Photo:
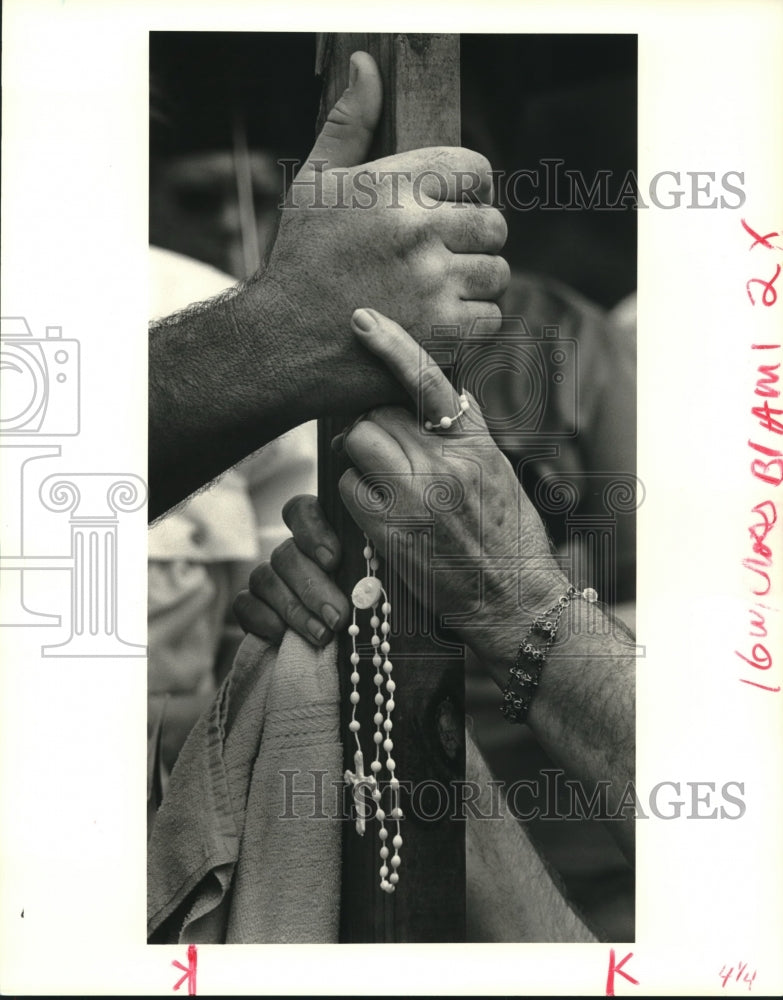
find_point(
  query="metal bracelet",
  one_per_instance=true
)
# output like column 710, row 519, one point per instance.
column 525, row 674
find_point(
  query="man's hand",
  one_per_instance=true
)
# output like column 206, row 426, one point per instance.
column 419, row 244
column 414, row 235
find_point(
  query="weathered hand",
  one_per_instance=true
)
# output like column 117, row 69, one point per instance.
column 414, row 235
column 465, row 486
column 294, row 590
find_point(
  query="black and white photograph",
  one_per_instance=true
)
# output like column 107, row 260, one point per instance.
column 390, row 455
column 457, row 258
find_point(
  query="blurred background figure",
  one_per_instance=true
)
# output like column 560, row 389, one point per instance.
column 219, row 206
column 216, row 139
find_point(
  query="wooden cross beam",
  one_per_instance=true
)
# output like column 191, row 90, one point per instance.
column 421, row 108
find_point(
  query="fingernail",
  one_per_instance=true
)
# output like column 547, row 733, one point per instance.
column 330, row 615
column 353, row 71
column 337, row 441
column 363, row 321
column 316, row 629
column 324, row 557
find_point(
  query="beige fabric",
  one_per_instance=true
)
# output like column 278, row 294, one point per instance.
column 229, row 858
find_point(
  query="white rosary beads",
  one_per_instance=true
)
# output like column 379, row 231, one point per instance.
column 367, row 595
column 446, row 422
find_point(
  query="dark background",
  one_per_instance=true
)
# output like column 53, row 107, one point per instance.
column 524, row 98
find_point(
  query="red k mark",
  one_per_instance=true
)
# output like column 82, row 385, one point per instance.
column 617, row 967
column 189, row 970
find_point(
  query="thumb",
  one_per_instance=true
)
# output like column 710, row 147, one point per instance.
column 347, row 133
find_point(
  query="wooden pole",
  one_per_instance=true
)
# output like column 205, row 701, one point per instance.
column 421, row 108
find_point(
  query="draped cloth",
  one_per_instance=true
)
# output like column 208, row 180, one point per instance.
column 233, row 856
